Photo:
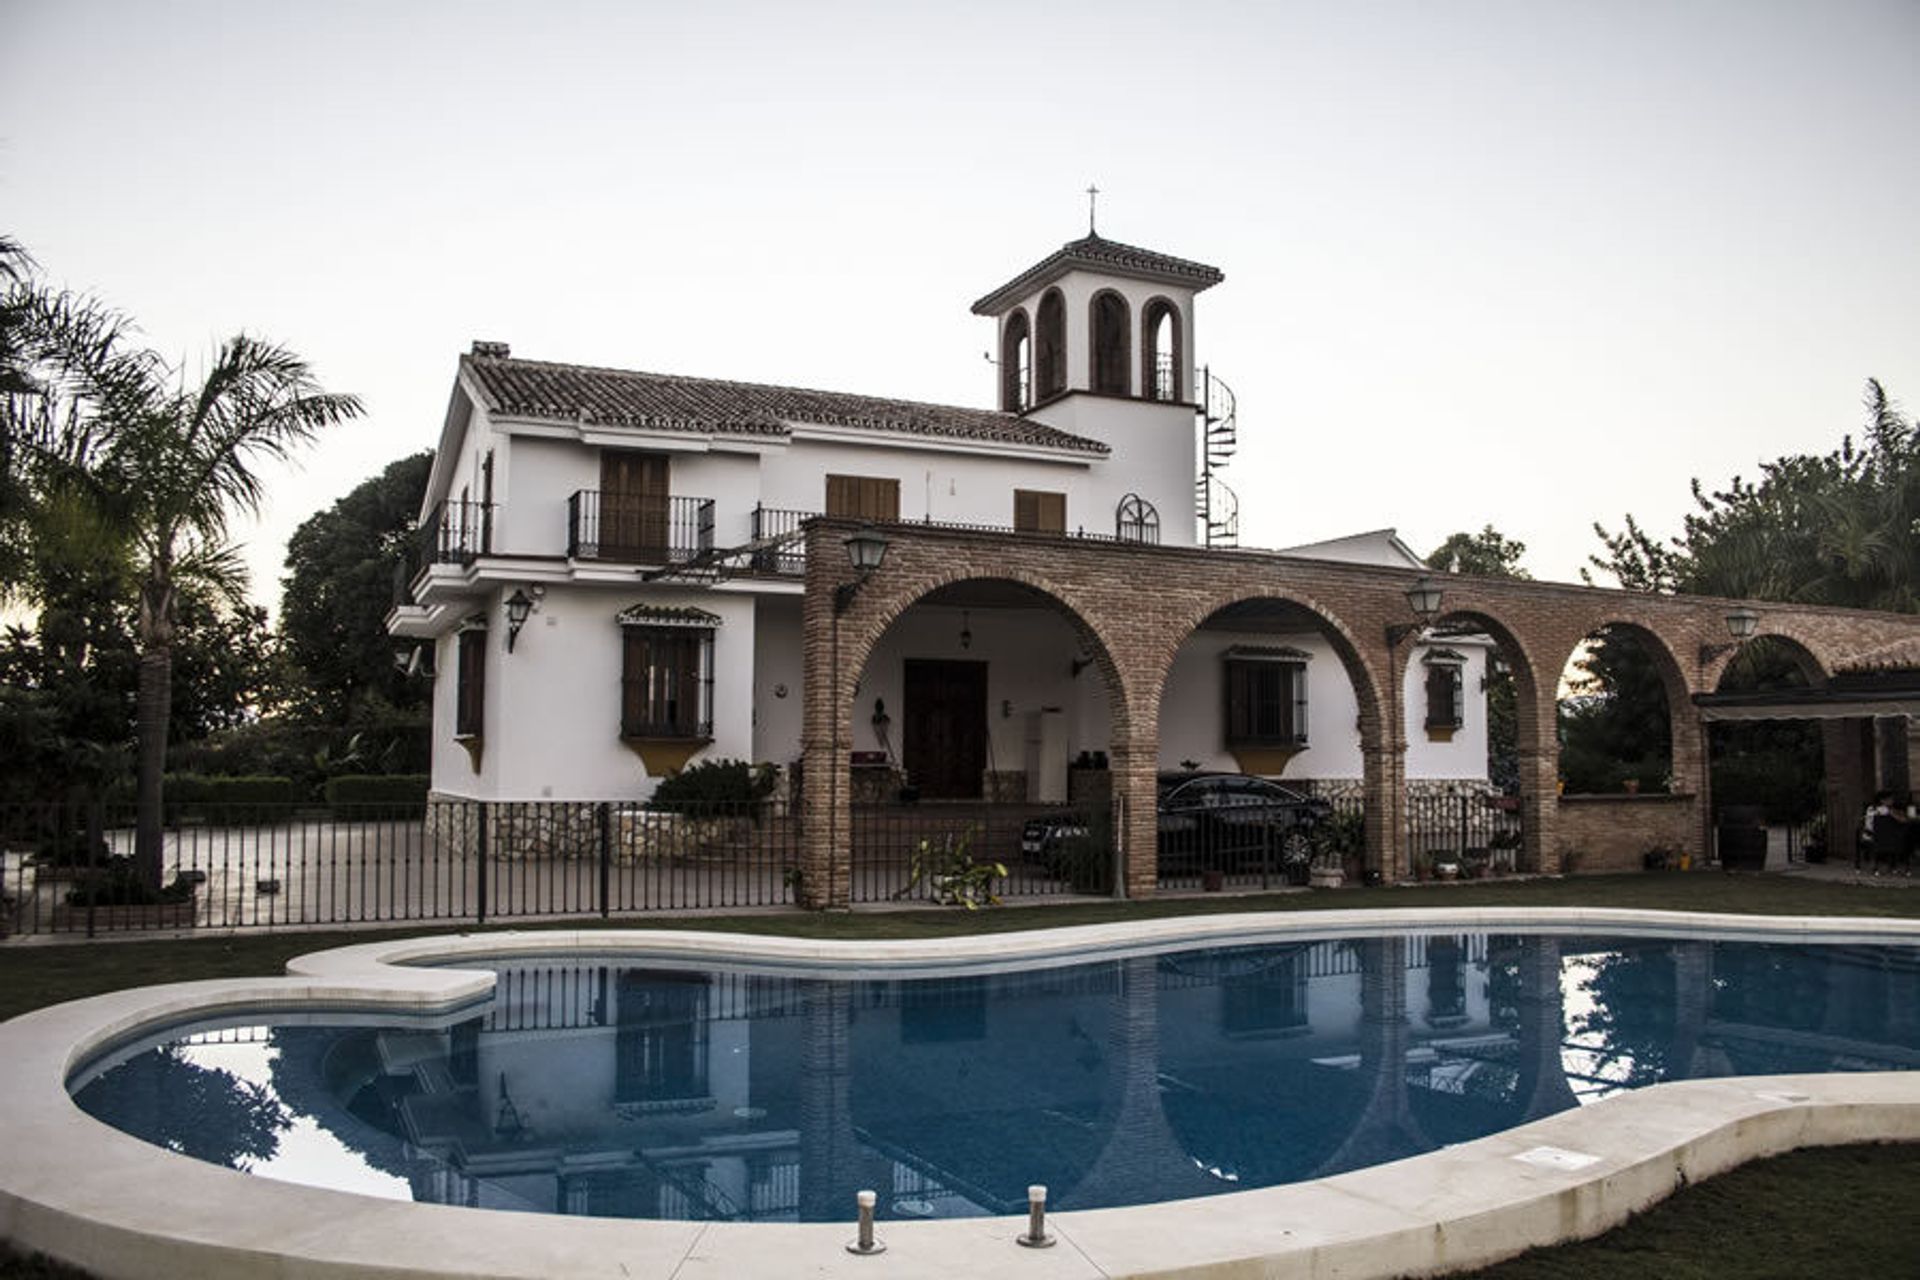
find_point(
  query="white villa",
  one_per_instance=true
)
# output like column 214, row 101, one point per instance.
column 615, row 586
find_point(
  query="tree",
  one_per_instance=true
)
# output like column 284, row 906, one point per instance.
column 1834, row 529
column 111, row 448
column 181, row 459
column 1491, row 554
column 1487, row 553
column 339, row 586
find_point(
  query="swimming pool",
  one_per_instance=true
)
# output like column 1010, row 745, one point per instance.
column 118, row 1206
column 605, row 1085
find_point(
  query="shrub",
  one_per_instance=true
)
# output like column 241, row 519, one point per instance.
column 192, row 797
column 120, row 885
column 372, row 795
column 714, row 788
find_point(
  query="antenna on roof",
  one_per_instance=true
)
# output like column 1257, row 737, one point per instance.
column 1093, row 195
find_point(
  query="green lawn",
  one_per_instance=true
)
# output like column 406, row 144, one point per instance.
column 1839, row 1213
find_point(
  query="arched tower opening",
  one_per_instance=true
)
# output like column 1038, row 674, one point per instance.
column 1161, row 351
column 1050, row 346
column 1112, row 343
column 1016, row 364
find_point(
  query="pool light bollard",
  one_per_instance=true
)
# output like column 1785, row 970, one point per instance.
column 1036, row 1236
column 864, row 1243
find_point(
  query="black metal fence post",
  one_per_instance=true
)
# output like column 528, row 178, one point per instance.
column 480, row 848
column 603, row 813
column 96, row 822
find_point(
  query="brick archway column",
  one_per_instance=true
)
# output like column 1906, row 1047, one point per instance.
column 1540, row 809
column 1690, row 769
column 1136, row 822
column 826, row 788
column 1383, row 786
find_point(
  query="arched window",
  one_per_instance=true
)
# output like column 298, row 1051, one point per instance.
column 1135, row 520
column 1111, row 343
column 1016, row 371
column 1050, row 346
column 1160, row 353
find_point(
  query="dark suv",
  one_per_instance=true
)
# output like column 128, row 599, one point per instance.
column 1207, row 822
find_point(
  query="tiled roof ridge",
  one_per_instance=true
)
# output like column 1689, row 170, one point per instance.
column 1100, row 246
column 1097, row 250
column 770, row 415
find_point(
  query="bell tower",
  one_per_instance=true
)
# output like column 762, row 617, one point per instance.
column 1097, row 340
column 1099, row 317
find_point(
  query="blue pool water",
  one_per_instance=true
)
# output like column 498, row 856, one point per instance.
column 603, row 1086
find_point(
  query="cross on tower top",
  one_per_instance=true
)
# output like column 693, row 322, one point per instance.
column 1093, row 195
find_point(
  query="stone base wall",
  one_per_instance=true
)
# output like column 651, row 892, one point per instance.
column 1614, row 832
column 1355, row 788
column 565, row 830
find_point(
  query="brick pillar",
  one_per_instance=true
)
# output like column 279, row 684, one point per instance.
column 1136, row 823
column 826, row 786
column 1540, row 809
column 1691, row 772
column 1384, row 788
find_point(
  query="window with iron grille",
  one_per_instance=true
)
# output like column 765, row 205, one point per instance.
column 1446, row 699
column 666, row 682
column 1266, row 697
column 470, row 691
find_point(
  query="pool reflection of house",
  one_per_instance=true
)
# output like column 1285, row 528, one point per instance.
column 771, row 1097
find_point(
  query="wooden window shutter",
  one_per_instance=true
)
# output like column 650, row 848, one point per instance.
column 863, row 498
column 1037, row 511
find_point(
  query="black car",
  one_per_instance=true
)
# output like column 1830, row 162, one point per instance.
column 1235, row 822
column 1207, row 822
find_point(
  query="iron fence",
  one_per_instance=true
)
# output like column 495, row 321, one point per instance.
column 70, row 869
column 1474, row 833
column 960, row 853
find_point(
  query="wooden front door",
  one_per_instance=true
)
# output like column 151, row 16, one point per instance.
column 633, row 505
column 944, row 741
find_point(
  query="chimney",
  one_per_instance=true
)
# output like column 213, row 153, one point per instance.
column 492, row 350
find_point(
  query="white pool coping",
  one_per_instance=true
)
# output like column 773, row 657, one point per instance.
column 85, row 1193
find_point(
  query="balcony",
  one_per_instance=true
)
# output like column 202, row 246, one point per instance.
column 458, row 531
column 640, row 528
column 789, row 557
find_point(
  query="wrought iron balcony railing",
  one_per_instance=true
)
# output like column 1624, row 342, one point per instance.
column 642, row 528
column 775, row 522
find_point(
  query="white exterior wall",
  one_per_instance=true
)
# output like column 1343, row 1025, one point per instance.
column 1153, row 456
column 1466, row 755
column 1191, row 709
column 934, row 484
column 777, row 651
column 552, row 727
column 1029, row 654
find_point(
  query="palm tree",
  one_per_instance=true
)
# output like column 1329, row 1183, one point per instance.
column 181, row 461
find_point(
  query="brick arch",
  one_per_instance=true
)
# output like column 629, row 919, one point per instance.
column 1801, row 650
column 1686, row 754
column 857, row 641
column 1177, row 630
column 1527, row 665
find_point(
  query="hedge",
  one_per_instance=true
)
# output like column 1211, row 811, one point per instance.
column 367, row 795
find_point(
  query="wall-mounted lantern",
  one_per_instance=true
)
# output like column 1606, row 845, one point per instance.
column 866, row 550
column 1423, row 597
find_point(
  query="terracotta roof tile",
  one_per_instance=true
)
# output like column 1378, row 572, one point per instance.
column 664, row 402
column 1097, row 254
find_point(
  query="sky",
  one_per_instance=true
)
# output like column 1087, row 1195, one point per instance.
column 1533, row 264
